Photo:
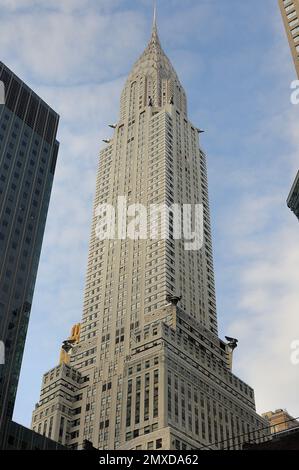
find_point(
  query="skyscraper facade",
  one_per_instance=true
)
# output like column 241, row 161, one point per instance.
column 280, row 420
column 290, row 15
column 148, row 370
column 293, row 198
column 28, row 152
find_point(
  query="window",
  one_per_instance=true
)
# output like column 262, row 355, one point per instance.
column 159, row 444
column 291, row 15
column 61, row 428
column 290, row 7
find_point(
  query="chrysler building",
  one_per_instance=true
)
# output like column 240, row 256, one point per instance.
column 145, row 368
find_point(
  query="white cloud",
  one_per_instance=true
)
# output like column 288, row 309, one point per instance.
column 259, row 238
column 65, row 48
column 268, row 319
column 262, row 256
column 67, row 6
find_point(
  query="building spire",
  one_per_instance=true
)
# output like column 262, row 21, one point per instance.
column 155, row 15
column 155, row 28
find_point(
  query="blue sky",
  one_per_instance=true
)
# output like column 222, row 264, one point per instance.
column 235, row 64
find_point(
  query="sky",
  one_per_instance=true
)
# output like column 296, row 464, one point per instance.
column 235, row 64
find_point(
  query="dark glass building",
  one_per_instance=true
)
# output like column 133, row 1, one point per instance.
column 293, row 199
column 17, row 437
column 28, row 153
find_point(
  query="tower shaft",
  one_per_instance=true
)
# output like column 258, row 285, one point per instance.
column 149, row 371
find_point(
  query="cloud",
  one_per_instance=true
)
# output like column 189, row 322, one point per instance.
column 59, row 47
column 253, row 165
column 66, row 6
column 262, row 250
column 260, row 282
column 267, row 319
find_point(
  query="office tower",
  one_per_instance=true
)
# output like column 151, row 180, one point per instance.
column 18, row 437
column 290, row 15
column 28, row 152
column 293, row 199
column 280, row 420
column 149, row 371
